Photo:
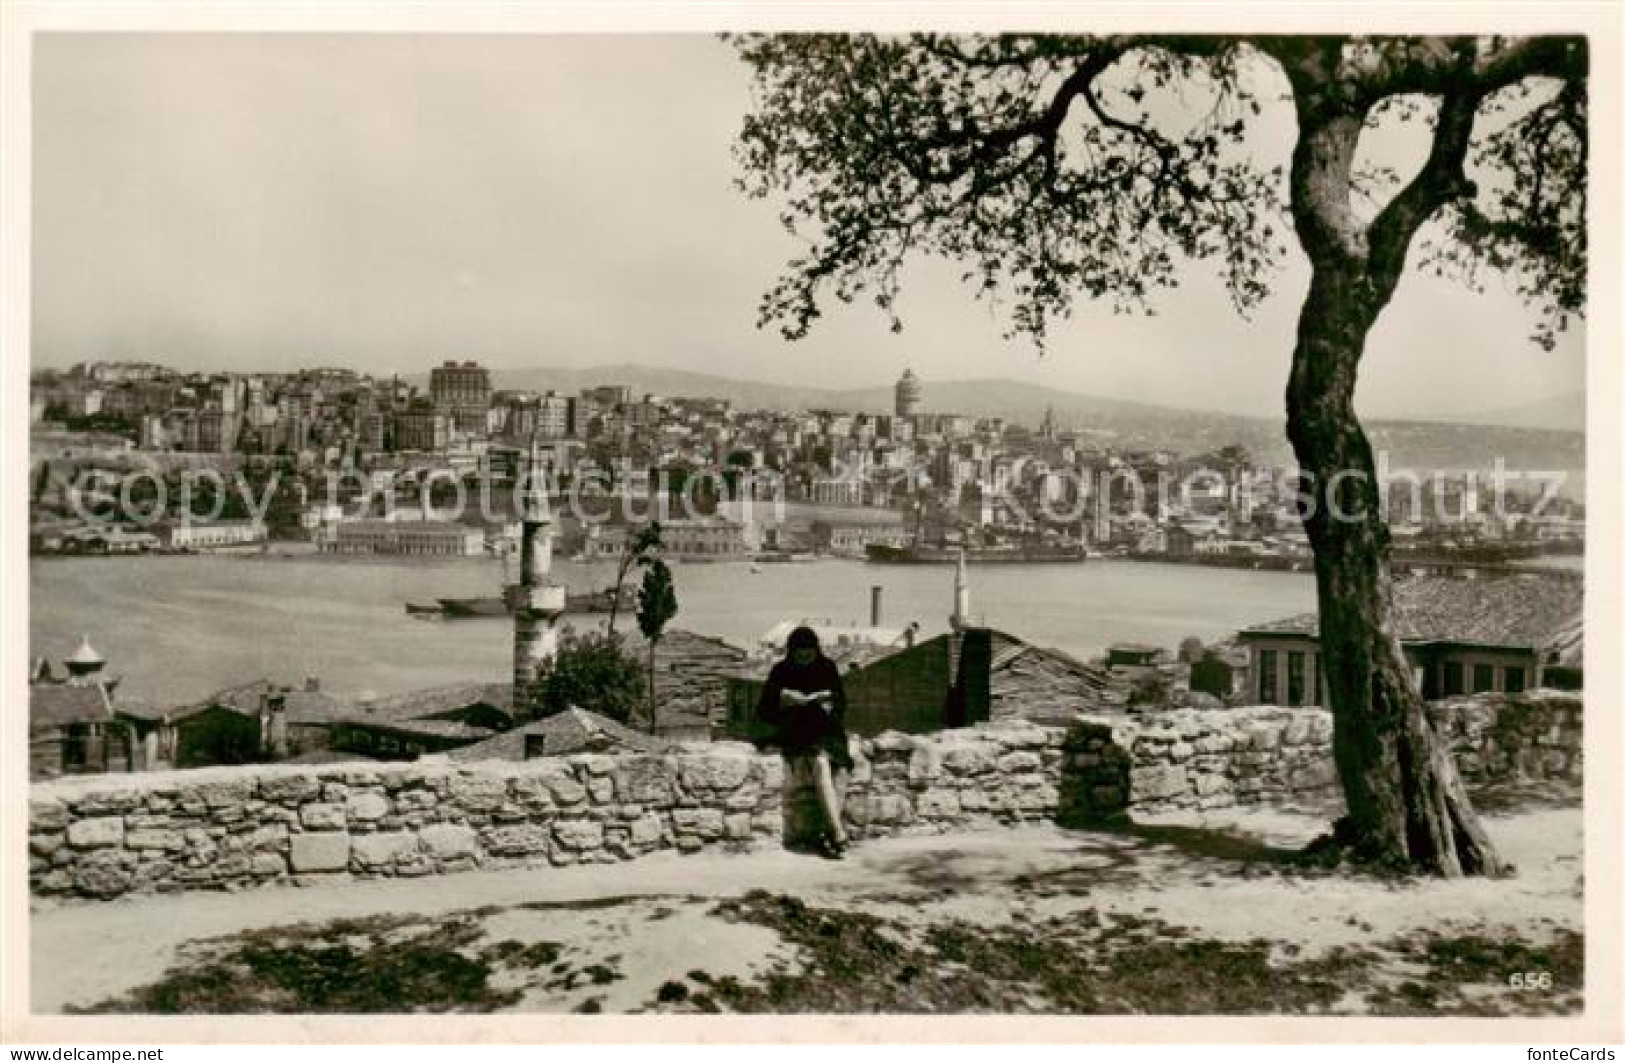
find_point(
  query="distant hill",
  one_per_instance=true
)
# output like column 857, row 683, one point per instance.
column 1565, row 413
column 1421, row 445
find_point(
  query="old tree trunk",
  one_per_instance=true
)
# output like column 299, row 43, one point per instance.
column 1407, row 806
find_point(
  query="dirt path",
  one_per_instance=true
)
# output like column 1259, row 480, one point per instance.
column 771, row 930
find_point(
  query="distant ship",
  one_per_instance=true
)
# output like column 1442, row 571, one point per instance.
column 920, row 554
column 590, row 602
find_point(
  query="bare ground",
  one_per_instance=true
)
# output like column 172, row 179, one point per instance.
column 1176, row 916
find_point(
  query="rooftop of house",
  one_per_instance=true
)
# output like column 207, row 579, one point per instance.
column 1519, row 611
column 571, row 731
column 453, row 729
column 420, row 704
column 59, row 704
column 300, row 705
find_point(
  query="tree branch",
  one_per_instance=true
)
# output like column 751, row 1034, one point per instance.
column 1443, row 178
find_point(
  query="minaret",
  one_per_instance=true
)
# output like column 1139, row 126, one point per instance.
column 961, row 618
column 537, row 603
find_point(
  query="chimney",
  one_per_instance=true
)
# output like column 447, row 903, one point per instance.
column 313, row 685
column 875, row 593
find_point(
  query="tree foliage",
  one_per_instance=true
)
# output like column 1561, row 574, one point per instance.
column 657, row 604
column 592, row 670
column 644, row 545
column 1064, row 167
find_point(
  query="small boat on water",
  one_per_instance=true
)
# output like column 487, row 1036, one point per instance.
column 424, row 609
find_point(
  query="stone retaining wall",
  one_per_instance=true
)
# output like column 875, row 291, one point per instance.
column 106, row 835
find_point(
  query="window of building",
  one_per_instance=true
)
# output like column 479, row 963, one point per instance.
column 1294, row 678
column 1513, row 680
column 1266, row 677
column 1483, row 678
column 1453, row 679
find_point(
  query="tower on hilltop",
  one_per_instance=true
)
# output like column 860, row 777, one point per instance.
column 908, row 394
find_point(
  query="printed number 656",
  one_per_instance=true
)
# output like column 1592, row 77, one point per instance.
column 1530, row 980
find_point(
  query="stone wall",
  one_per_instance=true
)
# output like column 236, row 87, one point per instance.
column 1204, row 759
column 225, row 828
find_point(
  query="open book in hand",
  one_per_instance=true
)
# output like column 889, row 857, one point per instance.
column 817, row 697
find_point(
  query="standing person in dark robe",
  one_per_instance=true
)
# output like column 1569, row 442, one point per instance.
column 804, row 703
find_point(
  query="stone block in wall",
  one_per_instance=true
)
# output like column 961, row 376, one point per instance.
column 769, row 773
column 529, row 792
column 382, row 850
column 322, row 816
column 158, row 839
column 1263, row 736
column 223, row 794
column 593, row 763
column 578, row 834
column 416, row 800
column 1019, row 734
column 50, row 815
column 961, row 757
column 520, row 839
column 1019, row 761
column 96, row 833
column 704, row 822
column 476, row 793
column 44, row 843
column 1156, row 782
column 936, row 804
column 880, row 810
column 1298, row 730
column 713, row 772
column 366, row 805
column 646, row 830
column 1040, row 797
column 312, row 852
column 562, row 784
column 108, row 802
column 106, row 873
column 446, row 841
column 924, row 766
column 289, row 789
column 268, row 865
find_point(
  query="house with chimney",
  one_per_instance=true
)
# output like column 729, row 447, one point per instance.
column 969, row 675
column 249, row 723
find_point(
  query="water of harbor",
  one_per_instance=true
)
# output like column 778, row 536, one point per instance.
column 178, row 628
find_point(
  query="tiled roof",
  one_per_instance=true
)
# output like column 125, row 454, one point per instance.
column 59, row 704
column 571, row 731
column 1513, row 611
column 301, row 706
column 417, row 704
column 419, row 728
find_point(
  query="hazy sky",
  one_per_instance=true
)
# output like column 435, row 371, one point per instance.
column 385, row 202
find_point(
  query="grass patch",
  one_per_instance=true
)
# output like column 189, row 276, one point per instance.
column 1100, row 963
column 346, row 967
column 1472, row 974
